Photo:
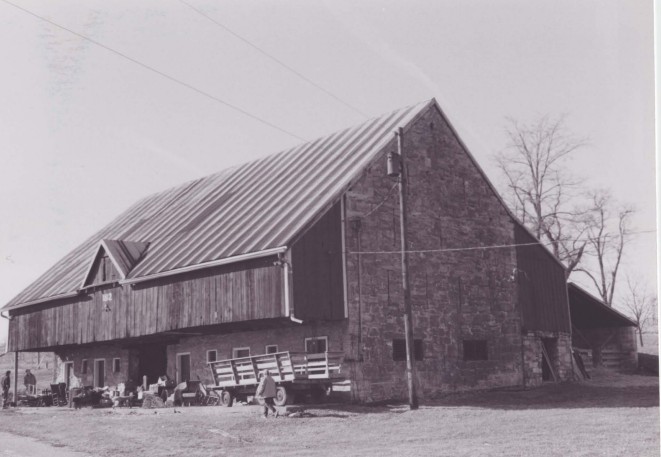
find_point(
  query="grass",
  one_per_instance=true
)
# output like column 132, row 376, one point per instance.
column 611, row 415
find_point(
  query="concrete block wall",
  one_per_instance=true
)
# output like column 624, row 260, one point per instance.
column 456, row 295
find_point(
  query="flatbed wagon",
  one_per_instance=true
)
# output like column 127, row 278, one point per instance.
column 294, row 373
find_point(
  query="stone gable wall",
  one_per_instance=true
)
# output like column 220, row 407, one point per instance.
column 456, row 295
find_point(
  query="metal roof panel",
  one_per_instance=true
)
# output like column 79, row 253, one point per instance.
column 245, row 209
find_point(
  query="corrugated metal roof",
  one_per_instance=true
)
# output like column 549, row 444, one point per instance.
column 249, row 208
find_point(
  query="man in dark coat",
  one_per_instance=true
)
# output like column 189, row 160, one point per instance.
column 266, row 393
column 6, row 384
column 30, row 382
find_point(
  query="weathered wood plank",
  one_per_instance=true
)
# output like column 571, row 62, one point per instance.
column 224, row 297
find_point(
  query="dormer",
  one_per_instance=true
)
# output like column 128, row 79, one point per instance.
column 113, row 261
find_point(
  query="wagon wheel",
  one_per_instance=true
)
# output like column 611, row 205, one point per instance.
column 283, row 396
column 226, row 398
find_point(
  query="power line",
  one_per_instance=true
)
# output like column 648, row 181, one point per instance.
column 274, row 59
column 473, row 248
column 381, row 202
column 158, row 72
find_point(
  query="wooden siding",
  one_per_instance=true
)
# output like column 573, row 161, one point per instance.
column 542, row 286
column 103, row 270
column 318, row 289
column 193, row 300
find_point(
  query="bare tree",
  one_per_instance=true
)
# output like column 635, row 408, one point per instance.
column 607, row 232
column 541, row 190
column 642, row 307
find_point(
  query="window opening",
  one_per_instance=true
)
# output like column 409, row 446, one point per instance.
column 316, row 345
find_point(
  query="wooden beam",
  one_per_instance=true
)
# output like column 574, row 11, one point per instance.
column 16, row 378
column 607, row 340
column 577, row 331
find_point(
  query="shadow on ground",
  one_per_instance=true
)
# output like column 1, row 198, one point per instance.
column 549, row 396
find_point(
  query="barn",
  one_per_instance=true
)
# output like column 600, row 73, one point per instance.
column 299, row 251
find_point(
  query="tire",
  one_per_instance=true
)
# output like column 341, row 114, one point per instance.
column 283, row 396
column 226, row 398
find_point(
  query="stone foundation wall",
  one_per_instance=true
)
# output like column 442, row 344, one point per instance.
column 560, row 354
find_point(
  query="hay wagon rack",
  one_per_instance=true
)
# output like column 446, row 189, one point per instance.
column 295, row 373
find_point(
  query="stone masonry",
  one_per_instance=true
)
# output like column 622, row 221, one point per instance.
column 456, row 295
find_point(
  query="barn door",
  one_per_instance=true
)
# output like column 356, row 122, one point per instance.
column 99, row 372
column 183, row 367
column 68, row 370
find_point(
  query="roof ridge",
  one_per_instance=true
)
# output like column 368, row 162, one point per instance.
column 286, row 150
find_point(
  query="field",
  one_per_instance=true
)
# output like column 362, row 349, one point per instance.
column 613, row 414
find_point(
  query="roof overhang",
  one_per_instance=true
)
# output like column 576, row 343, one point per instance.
column 587, row 311
column 202, row 266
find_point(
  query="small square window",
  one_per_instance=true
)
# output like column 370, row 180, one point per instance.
column 399, row 350
column 316, row 345
column 212, row 355
column 475, row 350
column 271, row 348
column 240, row 352
column 115, row 365
column 83, row 367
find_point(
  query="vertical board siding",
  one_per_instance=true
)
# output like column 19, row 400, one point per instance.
column 318, row 290
column 253, row 293
column 542, row 286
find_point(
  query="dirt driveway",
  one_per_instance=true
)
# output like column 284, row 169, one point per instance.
column 612, row 415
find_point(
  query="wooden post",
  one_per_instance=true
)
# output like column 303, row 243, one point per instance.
column 408, row 314
column 16, row 378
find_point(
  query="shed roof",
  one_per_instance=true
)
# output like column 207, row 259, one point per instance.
column 588, row 311
column 249, row 208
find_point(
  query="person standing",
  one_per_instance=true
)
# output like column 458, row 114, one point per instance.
column 6, row 384
column 266, row 393
column 30, row 382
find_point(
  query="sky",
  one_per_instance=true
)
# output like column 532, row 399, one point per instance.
column 88, row 128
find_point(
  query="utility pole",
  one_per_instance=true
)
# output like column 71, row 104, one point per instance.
column 408, row 315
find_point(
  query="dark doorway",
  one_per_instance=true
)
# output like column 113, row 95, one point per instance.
column 68, row 369
column 549, row 359
column 99, row 372
column 183, row 367
column 152, row 362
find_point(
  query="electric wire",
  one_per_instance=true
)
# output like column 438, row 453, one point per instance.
column 274, row 59
column 473, row 248
column 158, row 72
column 381, row 202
